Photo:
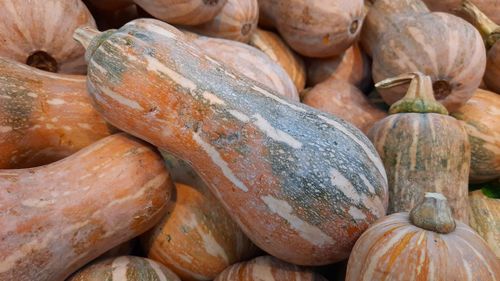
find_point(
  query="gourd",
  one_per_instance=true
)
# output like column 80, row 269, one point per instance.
column 480, row 115
column 426, row 244
column 301, row 184
column 44, row 116
column 342, row 99
column 315, row 28
column 124, row 268
column 267, row 268
column 250, row 62
column 58, row 217
column 423, row 149
column 236, row 21
column 273, row 46
column 197, row 238
column 38, row 33
column 485, row 215
column 187, row 12
column 490, row 7
column 428, row 43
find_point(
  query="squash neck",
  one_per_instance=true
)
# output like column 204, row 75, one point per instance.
column 91, row 39
column 433, row 213
column 488, row 29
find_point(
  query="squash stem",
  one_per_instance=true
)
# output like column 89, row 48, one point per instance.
column 433, row 213
column 84, row 35
column 488, row 29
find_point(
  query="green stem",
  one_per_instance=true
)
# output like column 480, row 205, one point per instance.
column 488, row 29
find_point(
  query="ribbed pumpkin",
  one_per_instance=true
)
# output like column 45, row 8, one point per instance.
column 442, row 46
column 485, row 214
column 426, row 244
column 44, row 116
column 342, row 99
column 423, row 149
column 481, row 115
column 267, row 268
column 315, row 28
column 197, row 238
column 273, row 46
column 124, row 268
column 39, row 33
column 490, row 7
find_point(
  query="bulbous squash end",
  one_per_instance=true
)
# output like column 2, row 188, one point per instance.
column 433, row 213
column 91, row 39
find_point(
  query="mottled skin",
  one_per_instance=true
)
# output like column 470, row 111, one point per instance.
column 301, row 184
column 44, row 117
column 485, row 218
column 56, row 218
column 490, row 7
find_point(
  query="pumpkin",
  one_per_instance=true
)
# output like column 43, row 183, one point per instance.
column 57, row 217
column 196, row 239
column 250, row 62
column 273, row 46
column 44, row 116
column 342, row 99
column 236, row 21
column 302, row 184
column 420, row 144
column 267, row 268
column 38, row 33
column 481, row 114
column 442, row 46
column 187, row 12
column 426, row 244
column 352, row 66
column 124, row 268
column 490, row 7
column 315, row 28
column 485, row 216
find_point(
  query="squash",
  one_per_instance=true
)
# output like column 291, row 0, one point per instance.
column 58, row 217
column 250, row 62
column 481, row 115
column 442, row 46
column 423, row 149
column 267, row 268
column 485, row 216
column 236, row 21
column 197, row 238
column 44, row 116
column 273, row 46
column 490, row 7
column 124, row 268
column 316, row 28
column 301, row 184
column 342, row 99
column 352, row 66
column 38, row 33
column 426, row 244
column 187, row 12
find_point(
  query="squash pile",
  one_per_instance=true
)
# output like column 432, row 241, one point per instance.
column 249, row 140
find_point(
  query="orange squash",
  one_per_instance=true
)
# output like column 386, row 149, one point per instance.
column 44, row 116
column 485, row 215
column 490, row 7
column 58, row 217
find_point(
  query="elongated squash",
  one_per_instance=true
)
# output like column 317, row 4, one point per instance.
column 485, row 214
column 58, row 217
column 303, row 185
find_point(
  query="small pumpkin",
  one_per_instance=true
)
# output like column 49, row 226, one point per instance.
column 124, row 268
column 490, row 7
column 39, row 33
column 342, row 99
column 268, row 268
column 485, row 215
column 57, row 217
column 315, row 28
column 480, row 115
column 420, row 144
column 427, row 244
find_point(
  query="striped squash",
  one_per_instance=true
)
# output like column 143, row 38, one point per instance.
column 124, row 268
column 58, row 217
column 44, row 116
column 485, row 217
column 423, row 245
column 267, row 268
column 423, row 149
column 303, row 185
column 38, row 33
column 481, row 115
column 490, row 7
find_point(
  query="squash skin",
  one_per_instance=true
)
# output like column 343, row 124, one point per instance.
column 485, row 218
column 316, row 28
column 191, row 106
column 30, row 26
column 60, row 216
column 493, row 69
column 490, row 7
column 44, row 116
column 480, row 115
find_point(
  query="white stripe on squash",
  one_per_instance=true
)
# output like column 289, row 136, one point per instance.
column 274, row 133
column 119, row 269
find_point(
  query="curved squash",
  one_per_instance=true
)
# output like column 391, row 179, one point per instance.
column 485, row 217
column 44, row 116
column 490, row 7
column 58, row 217
column 301, row 184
